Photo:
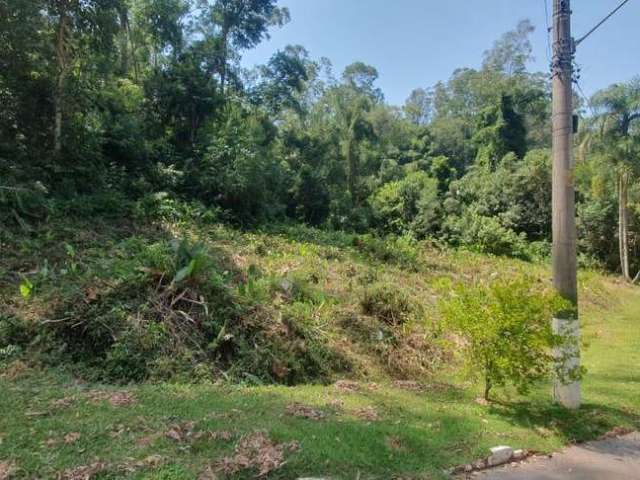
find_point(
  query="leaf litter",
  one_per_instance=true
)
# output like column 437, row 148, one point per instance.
column 83, row 472
column 347, row 386
column 90, row 471
column 116, row 399
column 186, row 432
column 367, row 413
column 305, row 411
column 256, row 451
column 6, row 470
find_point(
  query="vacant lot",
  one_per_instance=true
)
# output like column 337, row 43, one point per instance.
column 56, row 423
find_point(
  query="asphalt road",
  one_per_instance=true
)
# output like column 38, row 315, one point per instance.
column 612, row 459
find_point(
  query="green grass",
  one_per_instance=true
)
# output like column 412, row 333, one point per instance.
column 416, row 434
column 433, row 430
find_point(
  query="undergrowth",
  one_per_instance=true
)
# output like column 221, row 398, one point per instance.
column 164, row 292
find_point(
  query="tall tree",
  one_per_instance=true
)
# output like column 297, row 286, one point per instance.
column 243, row 24
column 97, row 21
column 618, row 109
column 353, row 100
column 419, row 106
column 511, row 52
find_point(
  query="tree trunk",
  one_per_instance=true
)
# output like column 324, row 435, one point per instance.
column 124, row 40
column 352, row 165
column 223, row 59
column 488, row 384
column 62, row 59
column 623, row 224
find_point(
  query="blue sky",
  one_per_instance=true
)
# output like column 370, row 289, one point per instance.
column 415, row 43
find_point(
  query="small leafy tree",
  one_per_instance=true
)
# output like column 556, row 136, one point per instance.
column 410, row 205
column 505, row 329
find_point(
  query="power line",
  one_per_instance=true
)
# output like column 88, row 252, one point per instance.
column 581, row 39
column 546, row 21
column 587, row 101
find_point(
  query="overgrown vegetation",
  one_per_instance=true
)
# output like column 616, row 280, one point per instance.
column 166, row 309
column 191, row 300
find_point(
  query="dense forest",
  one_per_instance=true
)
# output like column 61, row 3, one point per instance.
column 115, row 105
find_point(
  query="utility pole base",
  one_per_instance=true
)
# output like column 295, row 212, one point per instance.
column 566, row 392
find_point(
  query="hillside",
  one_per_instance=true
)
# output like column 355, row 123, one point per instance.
column 124, row 300
column 291, row 305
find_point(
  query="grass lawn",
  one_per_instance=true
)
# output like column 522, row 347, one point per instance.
column 50, row 424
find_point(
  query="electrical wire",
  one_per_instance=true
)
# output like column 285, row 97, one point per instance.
column 585, row 98
column 584, row 37
column 548, row 33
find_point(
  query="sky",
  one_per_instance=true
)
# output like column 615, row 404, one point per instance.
column 416, row 43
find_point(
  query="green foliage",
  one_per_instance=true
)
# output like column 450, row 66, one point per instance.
column 311, row 197
column 166, row 207
column 192, row 261
column 387, row 303
column 410, row 205
column 239, row 169
column 13, row 332
column 500, row 131
column 150, row 122
column 107, row 204
column 20, row 205
column 26, row 288
column 505, row 330
column 155, row 121
column 486, row 235
column 403, row 251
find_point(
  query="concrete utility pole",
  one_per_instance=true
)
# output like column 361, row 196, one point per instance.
column 565, row 391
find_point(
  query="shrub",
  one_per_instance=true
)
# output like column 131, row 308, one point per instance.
column 387, row 303
column 108, row 204
column 164, row 206
column 22, row 204
column 505, row 329
column 14, row 335
column 402, row 251
column 410, row 205
column 486, row 235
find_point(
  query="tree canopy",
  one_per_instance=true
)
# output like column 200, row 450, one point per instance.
column 140, row 97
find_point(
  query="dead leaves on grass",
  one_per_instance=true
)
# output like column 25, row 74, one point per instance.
column 304, row 411
column 15, row 370
column 130, row 466
column 393, row 442
column 69, row 439
column 181, row 432
column 88, row 472
column 347, row 386
column 147, row 440
column 258, row 452
column 186, row 432
column 223, row 435
column 62, row 403
column 208, row 473
column 116, row 399
column 83, row 472
column 369, row 414
column 410, row 385
column 6, row 470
